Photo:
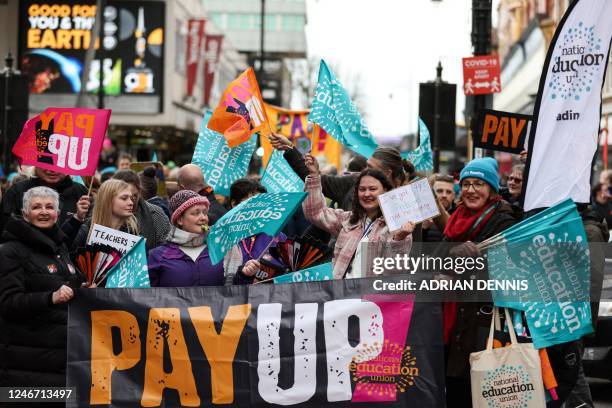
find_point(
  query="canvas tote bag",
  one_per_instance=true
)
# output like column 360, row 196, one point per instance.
column 506, row 377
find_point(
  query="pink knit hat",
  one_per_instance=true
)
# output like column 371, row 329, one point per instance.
column 184, row 200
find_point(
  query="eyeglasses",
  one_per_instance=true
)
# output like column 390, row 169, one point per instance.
column 515, row 179
column 478, row 186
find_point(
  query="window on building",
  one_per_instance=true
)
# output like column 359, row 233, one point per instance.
column 287, row 22
column 218, row 20
column 292, row 22
column 233, row 21
column 271, row 23
column 246, row 21
column 179, row 47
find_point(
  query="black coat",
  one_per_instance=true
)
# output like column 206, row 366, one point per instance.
column 69, row 194
column 32, row 329
column 471, row 323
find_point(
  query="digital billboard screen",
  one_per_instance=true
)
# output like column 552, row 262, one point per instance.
column 54, row 37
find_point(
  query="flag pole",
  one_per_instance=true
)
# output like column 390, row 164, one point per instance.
column 90, row 185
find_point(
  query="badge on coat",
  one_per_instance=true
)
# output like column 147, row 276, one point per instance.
column 52, row 268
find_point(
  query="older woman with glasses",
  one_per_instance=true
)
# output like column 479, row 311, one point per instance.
column 37, row 279
column 481, row 213
column 515, row 184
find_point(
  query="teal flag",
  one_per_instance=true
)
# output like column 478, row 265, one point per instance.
column 131, row 271
column 280, row 177
column 154, row 157
column 267, row 213
column 333, row 110
column 315, row 273
column 550, row 253
column 422, row 156
column 221, row 164
column 79, row 180
column 550, row 216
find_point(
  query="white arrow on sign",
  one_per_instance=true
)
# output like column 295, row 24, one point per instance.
column 482, row 85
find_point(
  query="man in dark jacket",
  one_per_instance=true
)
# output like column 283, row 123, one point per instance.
column 69, row 194
column 601, row 203
column 190, row 177
column 444, row 189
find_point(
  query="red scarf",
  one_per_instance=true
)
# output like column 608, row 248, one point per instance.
column 459, row 227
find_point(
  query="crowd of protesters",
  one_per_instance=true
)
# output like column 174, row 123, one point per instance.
column 45, row 216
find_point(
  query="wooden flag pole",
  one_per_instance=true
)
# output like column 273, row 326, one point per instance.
column 90, row 185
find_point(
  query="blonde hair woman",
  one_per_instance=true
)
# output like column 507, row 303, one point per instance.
column 114, row 208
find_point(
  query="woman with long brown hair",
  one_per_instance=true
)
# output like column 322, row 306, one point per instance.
column 362, row 234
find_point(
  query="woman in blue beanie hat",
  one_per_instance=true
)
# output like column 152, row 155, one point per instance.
column 481, row 213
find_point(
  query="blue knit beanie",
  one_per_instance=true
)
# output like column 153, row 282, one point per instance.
column 484, row 169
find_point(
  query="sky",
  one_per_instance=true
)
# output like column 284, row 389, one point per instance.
column 392, row 46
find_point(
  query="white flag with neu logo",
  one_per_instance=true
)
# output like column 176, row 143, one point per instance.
column 566, row 120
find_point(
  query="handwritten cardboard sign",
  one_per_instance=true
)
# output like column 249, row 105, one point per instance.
column 121, row 241
column 413, row 202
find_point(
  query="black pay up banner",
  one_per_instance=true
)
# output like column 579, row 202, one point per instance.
column 502, row 131
column 314, row 344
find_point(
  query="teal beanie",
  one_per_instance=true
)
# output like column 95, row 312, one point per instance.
column 484, row 169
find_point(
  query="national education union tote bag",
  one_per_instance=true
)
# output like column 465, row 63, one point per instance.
column 506, row 377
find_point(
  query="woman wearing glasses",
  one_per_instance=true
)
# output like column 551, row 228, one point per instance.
column 481, row 213
column 515, row 184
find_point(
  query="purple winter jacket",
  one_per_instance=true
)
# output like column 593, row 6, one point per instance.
column 171, row 267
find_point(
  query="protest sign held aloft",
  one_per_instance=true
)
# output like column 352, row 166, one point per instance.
column 333, row 110
column 221, row 164
column 65, row 140
column 266, row 213
column 305, row 136
column 240, row 112
column 413, row 202
column 311, row 344
column 502, row 131
column 121, row 241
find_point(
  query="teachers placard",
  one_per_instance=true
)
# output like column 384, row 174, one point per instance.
column 121, row 241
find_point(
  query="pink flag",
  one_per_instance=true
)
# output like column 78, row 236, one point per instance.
column 65, row 140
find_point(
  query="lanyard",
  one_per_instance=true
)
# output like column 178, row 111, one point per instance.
column 482, row 216
column 249, row 250
column 367, row 229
